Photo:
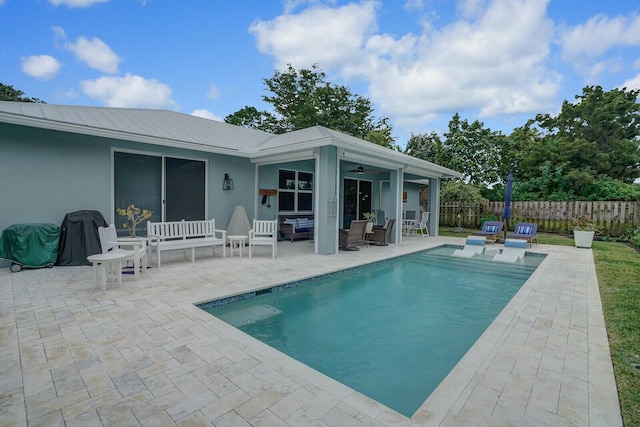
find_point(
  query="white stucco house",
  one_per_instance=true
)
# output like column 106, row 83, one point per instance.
column 57, row 159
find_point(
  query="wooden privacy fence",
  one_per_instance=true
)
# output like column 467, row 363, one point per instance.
column 613, row 218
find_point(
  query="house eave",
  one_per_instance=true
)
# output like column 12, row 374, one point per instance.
column 113, row 134
column 354, row 151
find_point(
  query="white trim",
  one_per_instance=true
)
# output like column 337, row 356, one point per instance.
column 358, row 180
column 316, row 198
column 163, row 177
column 284, row 158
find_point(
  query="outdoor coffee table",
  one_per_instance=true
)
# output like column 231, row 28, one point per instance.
column 236, row 242
column 107, row 267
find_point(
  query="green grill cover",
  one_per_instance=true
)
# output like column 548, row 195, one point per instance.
column 31, row 245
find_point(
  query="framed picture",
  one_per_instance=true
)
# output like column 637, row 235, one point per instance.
column 305, row 185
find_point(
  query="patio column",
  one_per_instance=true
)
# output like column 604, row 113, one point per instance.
column 326, row 201
column 396, row 178
column 434, row 206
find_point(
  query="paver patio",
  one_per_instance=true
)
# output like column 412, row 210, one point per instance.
column 71, row 354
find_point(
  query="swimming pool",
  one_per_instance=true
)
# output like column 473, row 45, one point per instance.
column 391, row 330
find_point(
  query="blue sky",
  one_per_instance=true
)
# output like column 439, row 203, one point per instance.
column 418, row 61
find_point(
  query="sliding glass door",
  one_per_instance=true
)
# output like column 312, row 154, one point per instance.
column 172, row 188
column 184, row 189
column 357, row 200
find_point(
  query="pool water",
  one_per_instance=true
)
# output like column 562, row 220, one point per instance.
column 390, row 330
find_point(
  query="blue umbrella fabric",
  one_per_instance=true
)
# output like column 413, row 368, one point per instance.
column 506, row 212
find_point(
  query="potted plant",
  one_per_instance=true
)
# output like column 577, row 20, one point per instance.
column 584, row 228
column 369, row 216
column 134, row 217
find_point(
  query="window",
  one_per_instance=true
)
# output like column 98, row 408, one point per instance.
column 295, row 191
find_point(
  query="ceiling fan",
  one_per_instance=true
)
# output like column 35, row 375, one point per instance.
column 361, row 170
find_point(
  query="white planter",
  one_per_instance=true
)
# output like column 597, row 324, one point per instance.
column 583, row 239
column 368, row 228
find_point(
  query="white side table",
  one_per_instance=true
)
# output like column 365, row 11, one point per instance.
column 407, row 224
column 236, row 242
column 107, row 267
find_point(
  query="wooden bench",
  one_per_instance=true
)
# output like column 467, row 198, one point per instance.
column 185, row 235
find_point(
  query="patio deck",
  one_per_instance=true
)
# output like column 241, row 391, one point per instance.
column 71, row 354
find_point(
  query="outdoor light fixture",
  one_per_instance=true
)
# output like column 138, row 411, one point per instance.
column 227, row 184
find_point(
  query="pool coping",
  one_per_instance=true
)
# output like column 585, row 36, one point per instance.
column 544, row 360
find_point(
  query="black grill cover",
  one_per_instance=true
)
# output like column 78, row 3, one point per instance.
column 79, row 237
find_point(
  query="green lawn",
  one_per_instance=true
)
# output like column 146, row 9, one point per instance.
column 618, row 270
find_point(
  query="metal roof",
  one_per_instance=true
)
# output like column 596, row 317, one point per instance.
column 170, row 128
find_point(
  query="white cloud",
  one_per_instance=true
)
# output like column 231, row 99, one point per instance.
column 320, row 34
column 59, row 33
column 413, row 5
column 206, row 114
column 41, row 66
column 598, row 35
column 213, row 93
column 76, row 3
column 632, row 83
column 290, row 5
column 129, row 91
column 584, row 46
column 491, row 60
column 96, row 54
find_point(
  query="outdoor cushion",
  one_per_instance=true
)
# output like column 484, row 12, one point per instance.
column 492, row 228
column 304, row 223
column 291, row 221
column 523, row 230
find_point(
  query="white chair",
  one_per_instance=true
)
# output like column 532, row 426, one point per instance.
column 473, row 246
column 421, row 226
column 110, row 243
column 264, row 233
column 513, row 251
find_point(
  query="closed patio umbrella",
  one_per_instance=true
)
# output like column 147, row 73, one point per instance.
column 506, row 212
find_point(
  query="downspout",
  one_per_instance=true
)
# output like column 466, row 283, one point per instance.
column 256, row 191
column 316, row 196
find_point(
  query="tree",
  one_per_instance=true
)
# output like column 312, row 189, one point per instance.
column 250, row 117
column 382, row 137
column 304, row 98
column 8, row 93
column 599, row 135
column 472, row 150
column 426, row 146
column 466, row 195
column 455, row 190
column 513, row 149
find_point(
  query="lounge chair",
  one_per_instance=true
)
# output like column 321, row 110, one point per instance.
column 264, row 233
column 382, row 235
column 491, row 230
column 419, row 226
column 526, row 231
column 352, row 237
column 474, row 245
column 514, row 250
column 136, row 250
